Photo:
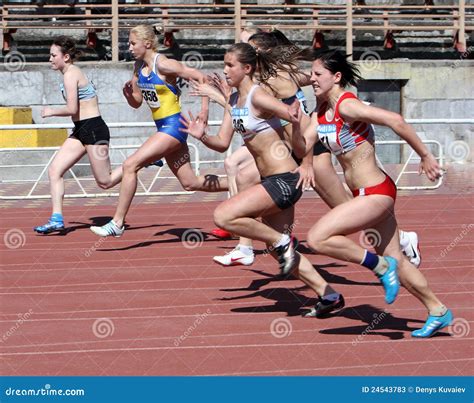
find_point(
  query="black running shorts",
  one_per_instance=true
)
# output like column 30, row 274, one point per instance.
column 91, row 131
column 282, row 189
column 319, row 148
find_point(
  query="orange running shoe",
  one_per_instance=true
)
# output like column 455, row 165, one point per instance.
column 221, row 233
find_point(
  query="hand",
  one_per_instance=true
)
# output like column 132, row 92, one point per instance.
column 203, row 90
column 46, row 112
column 221, row 85
column 430, row 167
column 128, row 89
column 194, row 127
column 306, row 179
column 294, row 112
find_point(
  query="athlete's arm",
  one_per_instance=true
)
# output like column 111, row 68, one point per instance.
column 207, row 90
column 131, row 91
column 353, row 110
column 265, row 105
column 197, row 128
column 71, row 81
column 303, row 79
column 171, row 67
column 311, row 133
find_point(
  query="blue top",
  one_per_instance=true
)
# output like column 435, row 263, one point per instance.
column 161, row 97
column 84, row 93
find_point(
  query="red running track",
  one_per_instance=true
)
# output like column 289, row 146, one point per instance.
column 147, row 304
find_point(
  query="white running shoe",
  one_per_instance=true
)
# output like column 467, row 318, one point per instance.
column 234, row 258
column 109, row 229
column 410, row 247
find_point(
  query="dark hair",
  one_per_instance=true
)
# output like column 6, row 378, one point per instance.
column 67, row 46
column 268, row 40
column 261, row 61
column 280, row 38
column 266, row 62
column 336, row 61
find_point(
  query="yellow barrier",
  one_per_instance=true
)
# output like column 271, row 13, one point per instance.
column 28, row 137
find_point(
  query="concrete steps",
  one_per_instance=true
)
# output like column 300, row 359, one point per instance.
column 211, row 44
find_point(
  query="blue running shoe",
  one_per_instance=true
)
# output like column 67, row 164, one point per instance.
column 390, row 281
column 433, row 325
column 50, row 226
column 158, row 163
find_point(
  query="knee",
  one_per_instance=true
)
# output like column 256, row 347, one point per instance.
column 189, row 185
column 130, row 165
column 316, row 240
column 221, row 218
column 104, row 184
column 54, row 172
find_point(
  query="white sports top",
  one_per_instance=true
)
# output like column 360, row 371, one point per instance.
column 245, row 122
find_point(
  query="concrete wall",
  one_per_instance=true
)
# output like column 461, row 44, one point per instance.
column 432, row 89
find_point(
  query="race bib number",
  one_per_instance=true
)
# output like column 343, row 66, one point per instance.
column 328, row 135
column 151, row 98
column 238, row 126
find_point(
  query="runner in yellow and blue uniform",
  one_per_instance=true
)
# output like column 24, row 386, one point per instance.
column 154, row 81
column 163, row 100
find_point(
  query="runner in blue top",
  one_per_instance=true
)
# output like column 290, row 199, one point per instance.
column 154, row 81
column 90, row 134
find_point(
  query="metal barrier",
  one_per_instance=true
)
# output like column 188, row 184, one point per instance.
column 197, row 162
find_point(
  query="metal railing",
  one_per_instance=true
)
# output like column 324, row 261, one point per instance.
column 315, row 17
column 197, row 162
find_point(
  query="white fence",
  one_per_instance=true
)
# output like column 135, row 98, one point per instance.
column 145, row 190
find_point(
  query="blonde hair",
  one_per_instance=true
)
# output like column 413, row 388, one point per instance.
column 146, row 33
column 251, row 28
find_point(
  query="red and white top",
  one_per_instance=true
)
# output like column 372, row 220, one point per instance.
column 338, row 136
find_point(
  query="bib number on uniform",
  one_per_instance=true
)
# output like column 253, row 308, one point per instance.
column 151, row 98
column 304, row 107
column 328, row 136
column 239, row 126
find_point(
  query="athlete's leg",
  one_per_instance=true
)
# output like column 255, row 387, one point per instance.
column 153, row 148
column 238, row 214
column 232, row 165
column 101, row 168
column 243, row 252
column 179, row 161
column 70, row 152
column 412, row 279
column 328, row 236
column 328, row 185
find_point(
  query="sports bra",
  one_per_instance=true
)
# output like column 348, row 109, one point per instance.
column 245, row 122
column 161, row 97
column 301, row 99
column 338, row 136
column 84, row 93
